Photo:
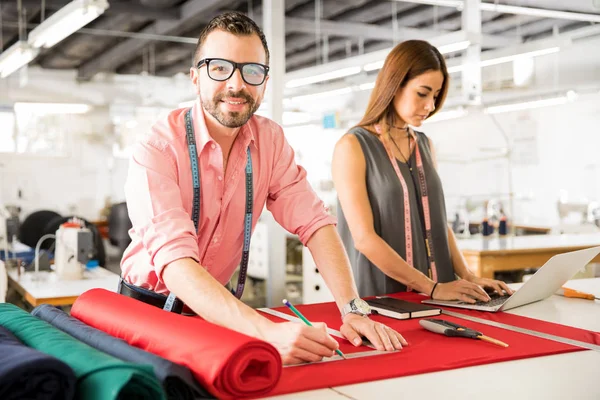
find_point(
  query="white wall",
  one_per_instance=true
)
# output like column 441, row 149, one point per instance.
column 74, row 184
column 555, row 151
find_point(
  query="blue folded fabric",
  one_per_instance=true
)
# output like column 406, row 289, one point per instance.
column 177, row 380
column 30, row 374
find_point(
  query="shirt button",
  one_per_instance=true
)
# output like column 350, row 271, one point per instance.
column 215, row 240
column 212, row 146
column 220, row 178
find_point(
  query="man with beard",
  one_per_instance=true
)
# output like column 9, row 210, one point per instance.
column 197, row 185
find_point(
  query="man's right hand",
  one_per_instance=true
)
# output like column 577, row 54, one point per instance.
column 460, row 289
column 299, row 343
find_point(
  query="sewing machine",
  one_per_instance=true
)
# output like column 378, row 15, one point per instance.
column 74, row 248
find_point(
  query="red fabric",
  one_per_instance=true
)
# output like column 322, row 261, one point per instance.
column 427, row 351
column 227, row 363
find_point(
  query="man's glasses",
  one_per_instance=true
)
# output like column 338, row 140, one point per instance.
column 220, row 70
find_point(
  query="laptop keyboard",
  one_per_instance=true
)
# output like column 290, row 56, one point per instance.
column 495, row 301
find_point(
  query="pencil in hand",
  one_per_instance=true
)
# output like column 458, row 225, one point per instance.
column 307, row 322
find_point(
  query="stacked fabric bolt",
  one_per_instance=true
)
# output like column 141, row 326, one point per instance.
column 30, row 374
column 99, row 376
column 177, row 380
column 227, row 363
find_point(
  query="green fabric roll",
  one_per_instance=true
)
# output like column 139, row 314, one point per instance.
column 99, row 376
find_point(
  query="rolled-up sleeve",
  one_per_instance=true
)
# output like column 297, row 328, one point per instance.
column 155, row 206
column 291, row 200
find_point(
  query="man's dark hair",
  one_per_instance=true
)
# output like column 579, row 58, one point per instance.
column 235, row 23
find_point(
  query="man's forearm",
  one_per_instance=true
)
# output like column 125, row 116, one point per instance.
column 329, row 255
column 209, row 299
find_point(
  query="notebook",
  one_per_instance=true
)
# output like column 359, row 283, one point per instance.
column 545, row 282
column 401, row 309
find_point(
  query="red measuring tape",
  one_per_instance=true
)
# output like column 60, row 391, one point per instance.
column 424, row 201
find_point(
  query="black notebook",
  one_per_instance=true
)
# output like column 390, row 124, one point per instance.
column 400, row 309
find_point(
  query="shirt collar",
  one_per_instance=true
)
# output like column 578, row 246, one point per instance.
column 203, row 136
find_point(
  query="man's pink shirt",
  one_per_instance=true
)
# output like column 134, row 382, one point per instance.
column 159, row 197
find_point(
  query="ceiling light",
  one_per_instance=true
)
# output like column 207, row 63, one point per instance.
column 444, row 3
column 517, row 10
column 328, row 93
column 447, row 114
column 505, row 59
column 444, row 49
column 16, row 56
column 186, row 104
column 373, row 66
column 535, row 53
column 452, row 47
column 52, row 108
column 553, row 101
column 539, row 12
column 366, row 86
column 66, row 21
column 340, row 73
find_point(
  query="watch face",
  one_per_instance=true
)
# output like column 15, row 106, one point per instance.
column 362, row 306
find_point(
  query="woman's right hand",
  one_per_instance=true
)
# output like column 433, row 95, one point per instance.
column 460, row 290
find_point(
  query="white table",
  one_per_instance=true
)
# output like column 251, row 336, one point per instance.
column 51, row 290
column 563, row 376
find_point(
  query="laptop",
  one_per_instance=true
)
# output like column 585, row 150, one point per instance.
column 545, row 282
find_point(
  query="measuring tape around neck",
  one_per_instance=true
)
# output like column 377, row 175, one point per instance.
column 191, row 142
column 424, row 201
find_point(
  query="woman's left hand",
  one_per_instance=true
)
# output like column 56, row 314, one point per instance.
column 498, row 286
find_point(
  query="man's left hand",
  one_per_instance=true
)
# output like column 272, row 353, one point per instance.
column 381, row 336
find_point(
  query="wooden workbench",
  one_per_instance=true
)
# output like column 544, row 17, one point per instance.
column 494, row 254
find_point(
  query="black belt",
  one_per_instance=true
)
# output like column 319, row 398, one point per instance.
column 148, row 296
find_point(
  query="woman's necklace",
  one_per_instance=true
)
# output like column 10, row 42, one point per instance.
column 405, row 159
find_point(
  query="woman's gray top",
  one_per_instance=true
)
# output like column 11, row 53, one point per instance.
column 386, row 198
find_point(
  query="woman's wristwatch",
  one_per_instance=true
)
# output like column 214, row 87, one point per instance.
column 356, row 306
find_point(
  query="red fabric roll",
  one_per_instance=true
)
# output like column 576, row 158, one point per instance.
column 227, row 363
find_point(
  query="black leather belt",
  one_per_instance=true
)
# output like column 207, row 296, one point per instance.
column 148, row 296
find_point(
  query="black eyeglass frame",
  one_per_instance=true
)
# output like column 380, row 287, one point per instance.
column 235, row 66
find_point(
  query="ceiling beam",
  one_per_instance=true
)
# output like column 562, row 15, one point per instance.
column 376, row 32
column 519, row 10
column 193, row 10
column 134, row 8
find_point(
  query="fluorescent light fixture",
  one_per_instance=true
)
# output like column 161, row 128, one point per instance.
column 444, row 49
column 452, row 47
column 66, row 21
column 553, row 101
column 373, row 66
column 447, row 114
column 295, row 118
column 52, row 108
column 366, row 86
column 16, row 56
column 539, row 12
column 535, row 53
column 319, row 95
column 444, row 3
column 518, row 10
column 505, row 59
column 186, row 104
column 340, row 73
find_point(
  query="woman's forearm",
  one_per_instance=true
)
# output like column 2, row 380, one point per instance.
column 390, row 263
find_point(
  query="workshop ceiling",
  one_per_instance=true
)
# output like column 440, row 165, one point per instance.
column 120, row 41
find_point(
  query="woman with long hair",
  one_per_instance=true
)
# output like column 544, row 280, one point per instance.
column 392, row 214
